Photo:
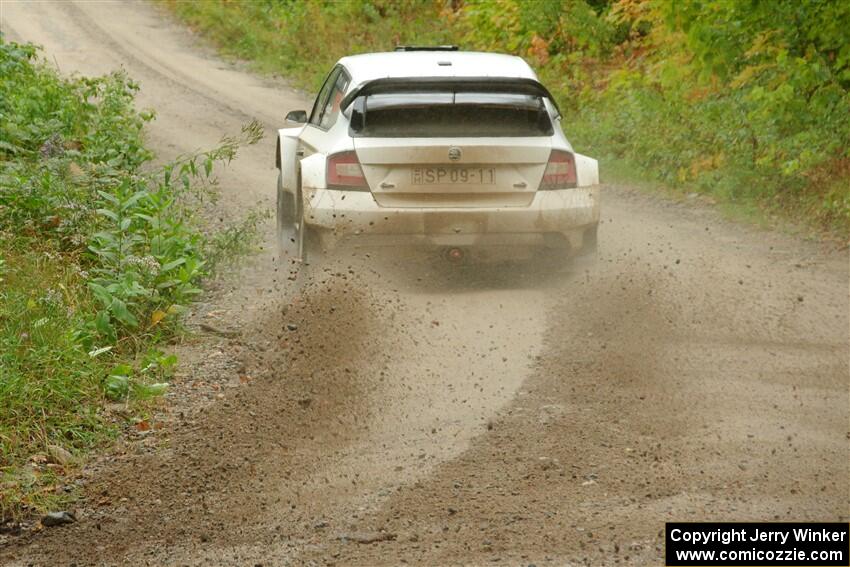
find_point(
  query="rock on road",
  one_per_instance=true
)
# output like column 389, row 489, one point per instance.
column 384, row 415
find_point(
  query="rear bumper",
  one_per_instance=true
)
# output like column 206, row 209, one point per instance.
column 554, row 219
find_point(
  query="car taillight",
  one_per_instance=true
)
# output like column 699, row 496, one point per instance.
column 560, row 172
column 344, row 172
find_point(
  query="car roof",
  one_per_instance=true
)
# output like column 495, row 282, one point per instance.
column 400, row 64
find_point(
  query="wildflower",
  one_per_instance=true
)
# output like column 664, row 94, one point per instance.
column 146, row 264
column 53, row 298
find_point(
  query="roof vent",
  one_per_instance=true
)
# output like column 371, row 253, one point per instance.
column 426, row 48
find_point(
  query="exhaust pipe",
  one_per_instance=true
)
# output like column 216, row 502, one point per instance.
column 454, row 255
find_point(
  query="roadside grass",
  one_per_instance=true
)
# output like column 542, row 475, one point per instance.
column 49, row 389
column 100, row 254
column 765, row 135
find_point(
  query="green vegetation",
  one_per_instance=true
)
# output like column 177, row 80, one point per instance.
column 99, row 255
column 743, row 100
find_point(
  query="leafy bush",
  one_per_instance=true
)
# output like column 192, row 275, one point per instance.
column 99, row 254
column 741, row 99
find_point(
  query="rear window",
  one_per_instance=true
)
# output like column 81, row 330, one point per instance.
column 449, row 114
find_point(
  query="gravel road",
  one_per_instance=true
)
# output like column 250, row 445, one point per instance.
column 389, row 412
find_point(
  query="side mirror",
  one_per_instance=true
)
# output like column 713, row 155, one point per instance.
column 297, row 117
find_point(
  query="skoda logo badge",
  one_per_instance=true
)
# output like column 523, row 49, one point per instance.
column 454, row 153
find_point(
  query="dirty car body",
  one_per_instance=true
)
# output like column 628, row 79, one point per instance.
column 445, row 150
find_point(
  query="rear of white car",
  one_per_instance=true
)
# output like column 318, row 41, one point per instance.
column 460, row 152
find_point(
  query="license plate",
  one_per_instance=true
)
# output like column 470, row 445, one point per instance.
column 454, row 175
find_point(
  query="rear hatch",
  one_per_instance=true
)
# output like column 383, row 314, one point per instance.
column 452, row 145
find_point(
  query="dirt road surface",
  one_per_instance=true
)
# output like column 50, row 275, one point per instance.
column 433, row 416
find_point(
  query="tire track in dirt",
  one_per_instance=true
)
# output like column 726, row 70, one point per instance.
column 254, row 450
column 644, row 407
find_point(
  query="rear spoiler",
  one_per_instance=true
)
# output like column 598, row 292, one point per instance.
column 457, row 84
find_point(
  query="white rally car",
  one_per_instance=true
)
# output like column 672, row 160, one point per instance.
column 455, row 151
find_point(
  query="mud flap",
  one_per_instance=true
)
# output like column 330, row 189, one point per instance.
column 288, row 161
